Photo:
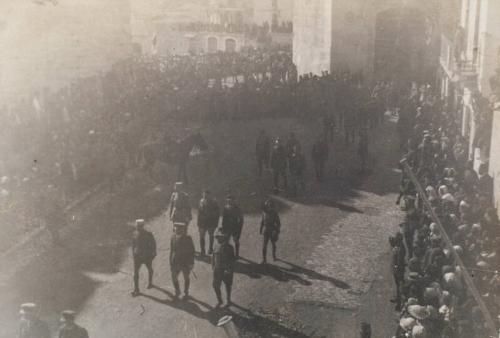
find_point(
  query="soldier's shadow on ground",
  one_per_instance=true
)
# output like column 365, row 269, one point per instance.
column 284, row 274
column 253, row 324
column 192, row 305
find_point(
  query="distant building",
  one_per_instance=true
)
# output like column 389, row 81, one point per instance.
column 363, row 36
column 470, row 80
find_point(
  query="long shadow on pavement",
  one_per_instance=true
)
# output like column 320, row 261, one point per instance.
column 255, row 270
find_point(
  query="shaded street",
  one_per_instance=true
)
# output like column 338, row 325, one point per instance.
column 332, row 273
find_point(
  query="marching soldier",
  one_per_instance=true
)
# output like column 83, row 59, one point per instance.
column 270, row 228
column 208, row 220
column 297, row 167
column 180, row 209
column 181, row 257
column 232, row 222
column 69, row 329
column 319, row 156
column 143, row 251
column 279, row 163
column 30, row 325
column 363, row 149
column 262, row 150
column 223, row 260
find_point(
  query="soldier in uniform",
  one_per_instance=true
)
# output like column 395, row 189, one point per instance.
column 30, row 325
column 319, row 156
column 181, row 257
column 262, row 151
column 279, row 158
column 297, row 167
column 180, row 209
column 363, row 149
column 223, row 260
column 270, row 227
column 143, row 252
column 208, row 220
column 69, row 329
column 232, row 222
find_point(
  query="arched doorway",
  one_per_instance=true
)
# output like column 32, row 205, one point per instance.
column 212, row 44
column 230, row 45
column 402, row 45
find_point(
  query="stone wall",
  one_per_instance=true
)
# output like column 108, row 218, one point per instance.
column 312, row 41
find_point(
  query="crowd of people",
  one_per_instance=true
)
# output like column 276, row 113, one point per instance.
column 253, row 31
column 432, row 296
column 62, row 143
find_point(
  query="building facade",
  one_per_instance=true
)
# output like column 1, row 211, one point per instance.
column 469, row 79
column 361, row 36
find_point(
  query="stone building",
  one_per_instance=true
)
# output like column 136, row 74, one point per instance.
column 363, row 36
column 470, row 79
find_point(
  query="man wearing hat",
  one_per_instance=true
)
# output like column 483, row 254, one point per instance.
column 180, row 209
column 69, row 329
column 143, row 252
column 270, row 226
column 232, row 222
column 223, row 260
column 30, row 325
column 208, row 220
column 181, row 257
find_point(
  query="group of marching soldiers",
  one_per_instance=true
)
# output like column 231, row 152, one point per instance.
column 287, row 161
column 224, row 254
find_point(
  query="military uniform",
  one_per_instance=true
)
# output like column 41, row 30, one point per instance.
column 30, row 325
column 279, row 165
column 270, row 227
column 181, row 259
column 180, row 209
column 262, row 150
column 223, row 260
column 297, row 167
column 232, row 224
column 69, row 329
column 319, row 156
column 143, row 251
column 34, row 328
column 208, row 220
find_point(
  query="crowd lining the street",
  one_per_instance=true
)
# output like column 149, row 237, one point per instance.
column 432, row 297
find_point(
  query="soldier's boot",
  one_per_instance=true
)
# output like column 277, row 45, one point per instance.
column 150, row 279
column 186, row 286
column 264, row 255
column 177, row 288
column 228, row 293
column 275, row 258
column 237, row 249
column 202, row 245
column 219, row 297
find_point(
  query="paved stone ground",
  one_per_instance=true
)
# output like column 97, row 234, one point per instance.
column 333, row 271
